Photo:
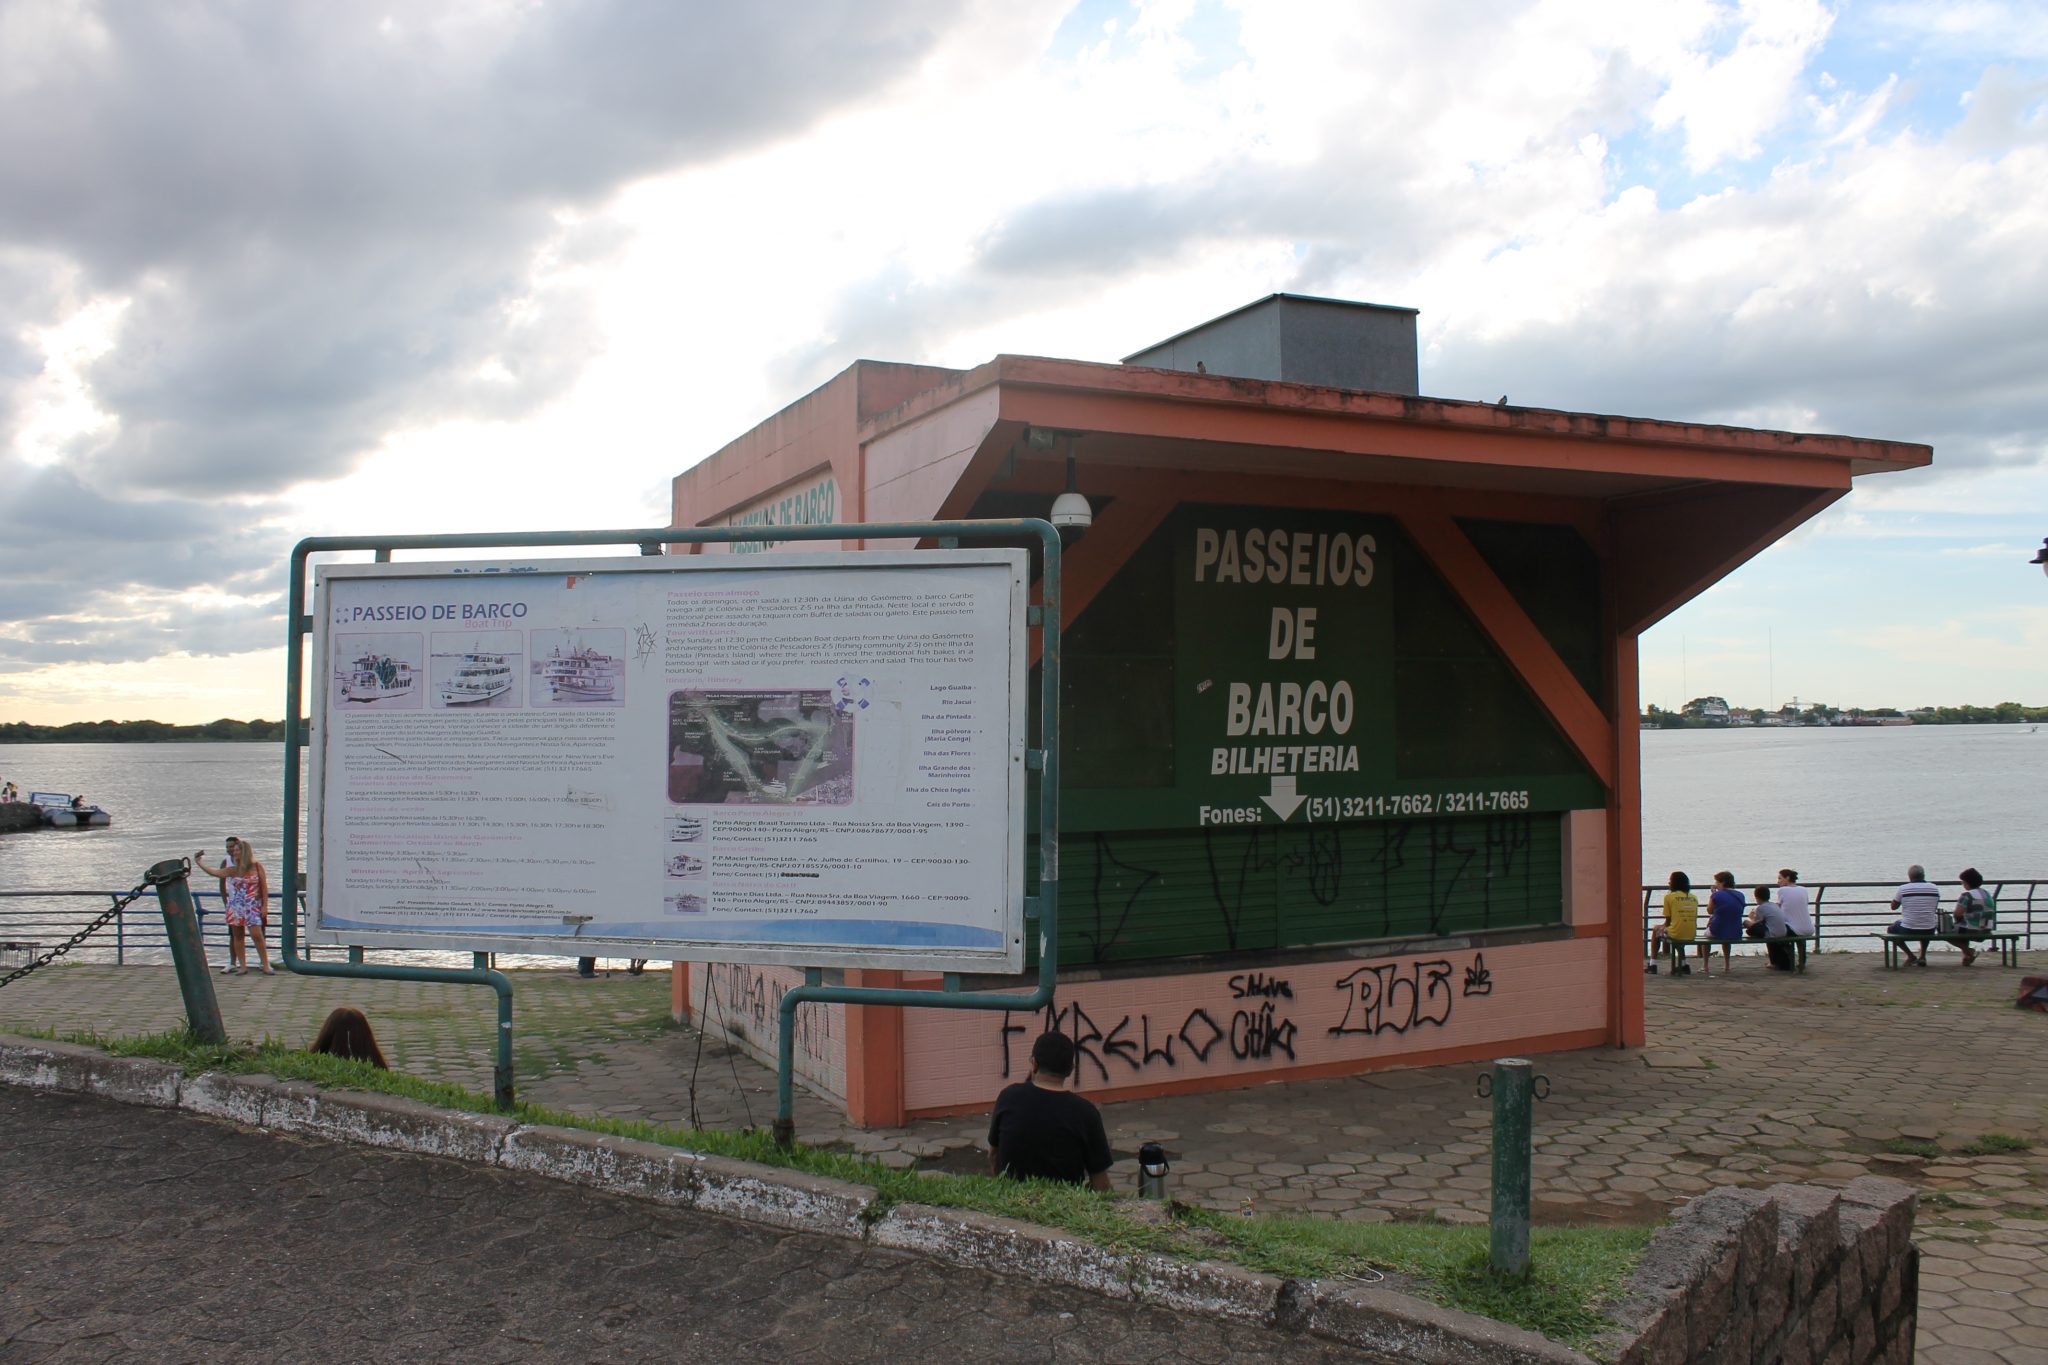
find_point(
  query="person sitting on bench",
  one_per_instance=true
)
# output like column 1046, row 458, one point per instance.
column 1724, row 919
column 1919, row 907
column 1976, row 912
column 1767, row 922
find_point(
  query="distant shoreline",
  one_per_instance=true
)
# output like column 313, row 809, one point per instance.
column 2034, row 717
column 144, row 732
column 1715, row 713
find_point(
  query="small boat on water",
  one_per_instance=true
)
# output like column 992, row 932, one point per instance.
column 373, row 677
column 477, row 678
column 683, row 865
column 61, row 811
column 685, row 830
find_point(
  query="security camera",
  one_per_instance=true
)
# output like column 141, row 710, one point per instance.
column 1071, row 515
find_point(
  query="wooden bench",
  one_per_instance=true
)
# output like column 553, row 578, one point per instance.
column 2007, row 942
column 1678, row 946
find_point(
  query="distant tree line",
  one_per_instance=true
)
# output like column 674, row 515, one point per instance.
column 2005, row 713
column 140, row 732
column 1714, row 713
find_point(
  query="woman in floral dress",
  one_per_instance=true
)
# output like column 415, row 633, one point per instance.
column 245, row 892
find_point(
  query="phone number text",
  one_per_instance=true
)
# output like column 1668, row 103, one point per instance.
column 1423, row 803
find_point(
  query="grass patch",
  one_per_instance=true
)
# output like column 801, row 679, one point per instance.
column 1573, row 1270
column 1997, row 1144
column 1912, row 1147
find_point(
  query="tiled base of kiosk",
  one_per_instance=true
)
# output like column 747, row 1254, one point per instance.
column 1143, row 1036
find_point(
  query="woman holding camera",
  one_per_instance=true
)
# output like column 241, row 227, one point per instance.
column 245, row 894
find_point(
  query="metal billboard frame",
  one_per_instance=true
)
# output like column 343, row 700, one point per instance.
column 1041, row 763
column 997, row 851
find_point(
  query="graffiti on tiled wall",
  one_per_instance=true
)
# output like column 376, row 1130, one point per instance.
column 746, row 1002
column 1256, row 1018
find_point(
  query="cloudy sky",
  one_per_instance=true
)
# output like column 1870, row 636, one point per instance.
column 274, row 269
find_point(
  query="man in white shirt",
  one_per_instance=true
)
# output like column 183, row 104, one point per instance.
column 1919, row 905
column 1792, row 899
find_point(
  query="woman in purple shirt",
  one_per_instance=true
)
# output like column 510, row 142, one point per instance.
column 1725, row 909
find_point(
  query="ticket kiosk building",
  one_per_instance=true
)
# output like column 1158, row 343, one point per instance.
column 1350, row 732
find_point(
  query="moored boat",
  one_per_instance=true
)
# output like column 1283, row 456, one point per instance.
column 61, row 811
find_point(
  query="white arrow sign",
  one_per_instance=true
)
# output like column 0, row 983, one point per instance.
column 1283, row 799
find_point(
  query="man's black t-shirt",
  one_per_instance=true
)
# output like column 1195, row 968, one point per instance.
column 1051, row 1134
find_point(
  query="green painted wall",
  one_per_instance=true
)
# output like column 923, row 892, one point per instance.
column 1282, row 729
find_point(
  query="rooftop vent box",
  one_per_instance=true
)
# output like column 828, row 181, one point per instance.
column 1299, row 340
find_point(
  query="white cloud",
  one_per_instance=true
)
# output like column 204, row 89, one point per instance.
column 526, row 282
column 1727, row 103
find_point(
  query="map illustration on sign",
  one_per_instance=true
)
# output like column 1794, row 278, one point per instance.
column 767, row 747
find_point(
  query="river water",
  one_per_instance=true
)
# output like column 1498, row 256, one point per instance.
column 1837, row 804
column 1846, row 804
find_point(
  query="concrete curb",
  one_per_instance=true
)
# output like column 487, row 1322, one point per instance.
column 1376, row 1320
column 1408, row 1328
column 1007, row 1247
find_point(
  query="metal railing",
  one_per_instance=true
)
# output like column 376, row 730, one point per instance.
column 1850, row 912
column 1843, row 911
column 31, row 921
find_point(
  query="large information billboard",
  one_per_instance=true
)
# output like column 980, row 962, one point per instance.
column 809, row 759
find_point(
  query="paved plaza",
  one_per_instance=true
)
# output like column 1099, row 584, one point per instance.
column 1750, row 1078
column 311, row 1252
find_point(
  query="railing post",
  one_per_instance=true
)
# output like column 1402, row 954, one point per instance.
column 1513, row 1090
column 181, row 928
column 121, row 938
column 501, row 1079
column 1819, row 892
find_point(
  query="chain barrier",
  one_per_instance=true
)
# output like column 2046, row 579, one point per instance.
column 120, row 903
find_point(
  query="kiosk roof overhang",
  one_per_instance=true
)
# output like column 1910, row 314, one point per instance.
column 1134, row 421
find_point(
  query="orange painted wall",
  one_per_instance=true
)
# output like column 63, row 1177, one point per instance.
column 1211, row 1028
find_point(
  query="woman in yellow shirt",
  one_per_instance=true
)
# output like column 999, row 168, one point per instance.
column 1681, row 919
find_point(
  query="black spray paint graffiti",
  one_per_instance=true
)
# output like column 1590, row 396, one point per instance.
column 745, row 1003
column 1391, row 997
column 1395, row 996
column 1258, row 1034
column 1382, row 878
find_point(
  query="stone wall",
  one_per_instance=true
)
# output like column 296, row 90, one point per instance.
column 1793, row 1274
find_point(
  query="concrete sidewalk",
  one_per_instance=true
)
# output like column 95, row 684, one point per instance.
column 1750, row 1078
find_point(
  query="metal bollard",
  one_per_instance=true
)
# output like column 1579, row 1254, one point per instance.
column 1513, row 1086
column 1152, row 1169
column 181, row 928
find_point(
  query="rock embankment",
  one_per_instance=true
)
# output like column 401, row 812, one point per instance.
column 16, row 816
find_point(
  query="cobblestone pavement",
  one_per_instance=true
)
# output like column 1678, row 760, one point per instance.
column 136, row 1234
column 1751, row 1077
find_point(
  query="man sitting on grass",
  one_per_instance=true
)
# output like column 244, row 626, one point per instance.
column 1042, row 1130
